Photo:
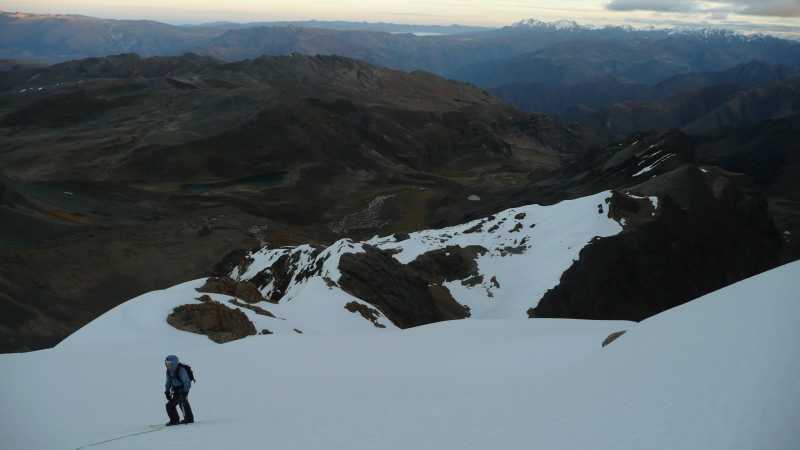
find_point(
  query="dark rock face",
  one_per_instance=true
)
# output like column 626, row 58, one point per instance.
column 229, row 262
column 706, row 234
column 448, row 264
column 244, row 290
column 396, row 290
column 768, row 154
column 631, row 211
column 215, row 320
column 280, row 274
column 447, row 306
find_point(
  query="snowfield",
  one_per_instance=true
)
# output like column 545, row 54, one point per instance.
column 720, row 372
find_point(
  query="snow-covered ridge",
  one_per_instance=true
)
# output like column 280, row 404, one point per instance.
column 519, row 254
column 558, row 25
column 526, row 251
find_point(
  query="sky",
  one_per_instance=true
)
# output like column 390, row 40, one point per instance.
column 778, row 16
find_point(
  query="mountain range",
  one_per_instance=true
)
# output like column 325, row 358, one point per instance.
column 383, row 236
column 214, row 154
column 698, row 103
column 187, row 163
column 617, row 80
column 470, row 54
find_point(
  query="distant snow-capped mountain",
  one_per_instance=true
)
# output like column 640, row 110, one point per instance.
column 681, row 30
column 558, row 25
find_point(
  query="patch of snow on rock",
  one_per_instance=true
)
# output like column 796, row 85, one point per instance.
column 654, row 165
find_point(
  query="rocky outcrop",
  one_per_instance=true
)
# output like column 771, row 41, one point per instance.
column 215, row 320
column 448, row 264
column 447, row 306
column 232, row 260
column 280, row 274
column 256, row 309
column 706, row 234
column 398, row 291
column 612, row 337
column 244, row 290
column 366, row 312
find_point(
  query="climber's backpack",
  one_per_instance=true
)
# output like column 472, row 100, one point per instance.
column 188, row 371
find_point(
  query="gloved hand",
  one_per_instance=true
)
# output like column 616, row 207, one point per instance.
column 166, row 394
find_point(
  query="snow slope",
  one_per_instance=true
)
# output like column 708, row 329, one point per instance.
column 717, row 373
column 140, row 323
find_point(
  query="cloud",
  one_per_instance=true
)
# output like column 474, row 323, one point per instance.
column 654, row 5
column 718, row 15
column 780, row 8
column 776, row 8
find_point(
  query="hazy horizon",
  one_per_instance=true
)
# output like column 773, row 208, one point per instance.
column 780, row 17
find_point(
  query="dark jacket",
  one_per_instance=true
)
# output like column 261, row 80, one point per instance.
column 177, row 377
